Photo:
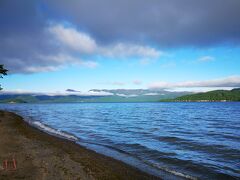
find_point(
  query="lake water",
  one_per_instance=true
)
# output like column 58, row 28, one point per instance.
column 192, row 140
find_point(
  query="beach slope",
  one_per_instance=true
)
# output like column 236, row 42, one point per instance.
column 42, row 156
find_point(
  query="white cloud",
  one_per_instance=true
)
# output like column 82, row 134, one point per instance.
column 126, row 50
column 74, row 39
column 127, row 96
column 197, row 89
column 35, row 69
column 151, row 94
column 232, row 81
column 117, row 83
column 206, row 59
column 89, row 64
column 84, row 43
column 46, row 63
column 65, row 58
column 73, row 47
column 61, row 93
column 99, row 93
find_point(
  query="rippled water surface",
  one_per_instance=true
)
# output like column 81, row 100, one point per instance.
column 196, row 139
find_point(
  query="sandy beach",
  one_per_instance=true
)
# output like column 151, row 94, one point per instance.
column 42, row 156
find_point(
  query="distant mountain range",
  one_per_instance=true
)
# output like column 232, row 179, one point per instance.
column 120, row 95
column 94, row 95
column 218, row 95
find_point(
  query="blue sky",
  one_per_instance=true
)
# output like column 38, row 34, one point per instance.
column 177, row 65
column 54, row 46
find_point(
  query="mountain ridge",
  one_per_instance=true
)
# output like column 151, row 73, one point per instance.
column 210, row 96
column 93, row 95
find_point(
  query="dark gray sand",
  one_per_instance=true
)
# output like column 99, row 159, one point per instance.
column 41, row 156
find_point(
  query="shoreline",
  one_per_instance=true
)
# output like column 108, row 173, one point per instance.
column 43, row 156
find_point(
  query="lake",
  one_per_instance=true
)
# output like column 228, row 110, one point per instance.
column 191, row 140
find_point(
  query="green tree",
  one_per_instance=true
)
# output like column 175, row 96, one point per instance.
column 3, row 72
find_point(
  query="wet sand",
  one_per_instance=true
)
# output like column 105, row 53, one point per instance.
column 42, row 156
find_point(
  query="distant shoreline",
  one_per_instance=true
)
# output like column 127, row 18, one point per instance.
column 198, row 101
column 40, row 155
column 126, row 96
column 161, row 101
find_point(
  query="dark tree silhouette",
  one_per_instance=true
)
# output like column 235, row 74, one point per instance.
column 3, row 72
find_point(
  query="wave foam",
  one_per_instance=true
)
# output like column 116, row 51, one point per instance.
column 53, row 131
column 176, row 173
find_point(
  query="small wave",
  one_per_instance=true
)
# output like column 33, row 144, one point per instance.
column 121, row 155
column 176, row 173
column 53, row 131
column 187, row 144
